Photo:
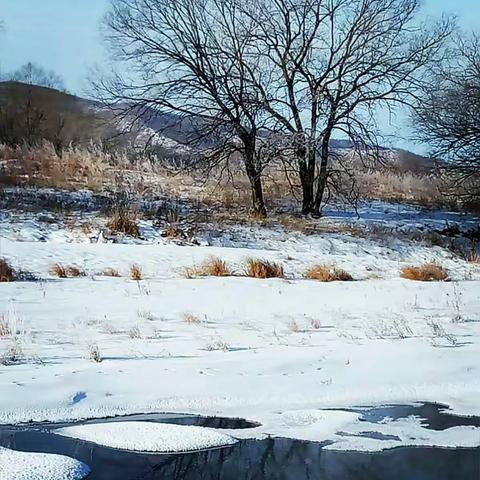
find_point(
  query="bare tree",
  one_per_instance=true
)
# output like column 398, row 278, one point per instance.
column 448, row 118
column 334, row 63
column 193, row 58
column 33, row 74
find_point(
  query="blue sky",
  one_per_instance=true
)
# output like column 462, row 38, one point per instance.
column 63, row 35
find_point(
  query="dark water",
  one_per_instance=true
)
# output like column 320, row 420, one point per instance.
column 273, row 458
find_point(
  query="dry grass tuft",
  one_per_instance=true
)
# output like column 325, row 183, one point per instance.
column 110, row 272
column 315, row 324
column 58, row 270
column 212, row 267
column 190, row 318
column 173, row 231
column 428, row 272
column 293, row 326
column 263, row 269
column 124, row 221
column 7, row 273
column 327, row 273
column 5, row 329
column 136, row 272
column 134, row 333
column 218, row 345
column 66, row 271
column 474, row 257
column 14, row 354
column 94, row 354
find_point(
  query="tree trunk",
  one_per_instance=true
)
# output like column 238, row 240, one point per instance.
column 255, row 178
column 322, row 176
column 306, row 181
column 306, row 165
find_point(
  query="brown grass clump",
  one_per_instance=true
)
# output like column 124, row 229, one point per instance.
column 212, row 267
column 474, row 257
column 7, row 273
column 58, row 270
column 110, row 272
column 190, row 318
column 327, row 273
column 124, row 221
column 73, row 271
column 428, row 272
column 263, row 269
column 65, row 271
column 5, row 329
column 136, row 272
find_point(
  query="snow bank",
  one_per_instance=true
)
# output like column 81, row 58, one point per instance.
column 39, row 466
column 148, row 437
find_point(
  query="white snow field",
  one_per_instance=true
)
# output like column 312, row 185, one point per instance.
column 39, row 466
column 148, row 437
column 280, row 351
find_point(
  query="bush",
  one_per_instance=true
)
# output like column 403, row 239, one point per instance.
column 425, row 273
column 213, row 267
column 7, row 273
column 327, row 273
column 124, row 221
column 263, row 269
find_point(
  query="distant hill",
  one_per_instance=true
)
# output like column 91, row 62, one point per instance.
column 171, row 134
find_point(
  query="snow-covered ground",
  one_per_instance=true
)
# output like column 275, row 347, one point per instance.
column 277, row 351
column 38, row 466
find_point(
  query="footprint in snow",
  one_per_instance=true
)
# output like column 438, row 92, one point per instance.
column 78, row 397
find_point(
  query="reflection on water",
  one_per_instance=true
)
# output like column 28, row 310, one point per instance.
column 273, row 458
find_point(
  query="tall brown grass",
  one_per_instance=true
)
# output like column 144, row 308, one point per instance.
column 136, row 272
column 212, row 267
column 256, row 268
column 110, row 272
column 327, row 273
column 7, row 273
column 124, row 221
column 66, row 271
column 428, row 272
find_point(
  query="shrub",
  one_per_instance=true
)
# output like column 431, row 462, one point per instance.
column 425, row 273
column 110, row 272
column 327, row 273
column 124, row 221
column 213, row 267
column 263, row 269
column 7, row 273
column 136, row 272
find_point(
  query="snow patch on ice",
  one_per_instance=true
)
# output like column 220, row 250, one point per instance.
column 409, row 432
column 148, row 437
column 39, row 466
